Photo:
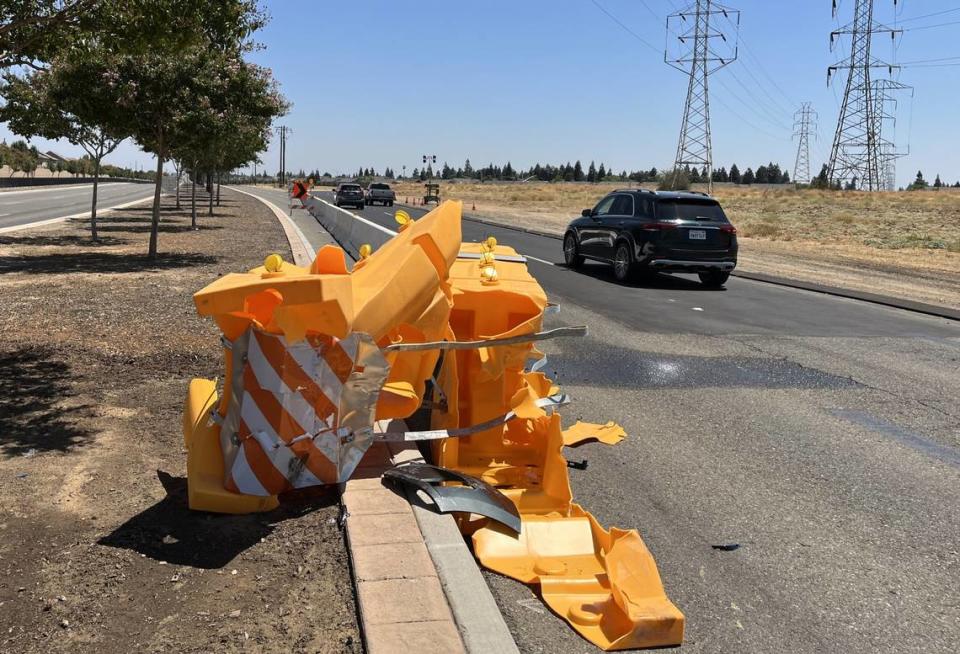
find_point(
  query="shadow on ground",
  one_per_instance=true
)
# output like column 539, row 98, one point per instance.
column 647, row 279
column 61, row 240
column 35, row 381
column 169, row 531
column 97, row 262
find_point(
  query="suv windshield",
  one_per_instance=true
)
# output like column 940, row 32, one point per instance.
column 690, row 210
column 350, row 187
column 380, row 187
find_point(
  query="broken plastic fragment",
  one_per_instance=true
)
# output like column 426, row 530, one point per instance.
column 610, row 433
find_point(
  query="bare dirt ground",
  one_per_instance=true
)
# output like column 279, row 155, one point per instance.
column 901, row 244
column 98, row 551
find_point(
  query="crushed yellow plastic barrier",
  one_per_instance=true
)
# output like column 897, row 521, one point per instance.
column 424, row 286
column 582, row 432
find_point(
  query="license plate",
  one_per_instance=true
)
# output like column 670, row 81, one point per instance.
column 697, row 234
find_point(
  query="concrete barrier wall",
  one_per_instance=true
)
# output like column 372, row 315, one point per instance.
column 349, row 230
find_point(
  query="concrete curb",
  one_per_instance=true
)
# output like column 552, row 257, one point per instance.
column 478, row 617
column 300, row 247
column 874, row 298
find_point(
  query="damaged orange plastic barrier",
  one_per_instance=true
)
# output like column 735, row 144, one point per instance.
column 421, row 287
column 282, row 315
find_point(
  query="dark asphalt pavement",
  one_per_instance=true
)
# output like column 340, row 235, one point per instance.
column 819, row 434
column 22, row 207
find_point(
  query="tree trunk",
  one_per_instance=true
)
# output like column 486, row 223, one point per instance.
column 93, row 205
column 155, row 222
column 210, row 191
column 218, row 188
column 193, row 199
column 179, row 172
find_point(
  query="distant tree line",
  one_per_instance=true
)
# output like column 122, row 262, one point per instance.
column 770, row 173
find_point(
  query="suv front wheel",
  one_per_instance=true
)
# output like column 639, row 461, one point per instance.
column 714, row 278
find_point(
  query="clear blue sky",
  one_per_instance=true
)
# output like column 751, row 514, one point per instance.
column 378, row 83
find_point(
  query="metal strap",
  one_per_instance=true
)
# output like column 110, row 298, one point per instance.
column 434, row 434
column 490, row 342
column 496, row 257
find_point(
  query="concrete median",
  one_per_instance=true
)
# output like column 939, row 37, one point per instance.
column 348, row 229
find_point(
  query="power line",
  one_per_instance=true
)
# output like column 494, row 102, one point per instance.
column 930, row 27
column 925, row 61
column 624, row 26
column 756, row 60
column 936, row 13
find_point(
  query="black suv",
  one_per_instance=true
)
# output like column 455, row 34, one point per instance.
column 655, row 230
column 351, row 194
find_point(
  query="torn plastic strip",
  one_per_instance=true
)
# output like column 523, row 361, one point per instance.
column 226, row 342
column 474, row 496
column 433, row 434
column 551, row 309
column 546, row 335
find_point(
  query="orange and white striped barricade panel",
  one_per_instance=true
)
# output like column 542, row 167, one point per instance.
column 300, row 414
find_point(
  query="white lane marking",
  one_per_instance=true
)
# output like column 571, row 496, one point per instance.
column 549, row 263
column 697, row 308
column 358, row 217
column 387, row 213
column 69, row 187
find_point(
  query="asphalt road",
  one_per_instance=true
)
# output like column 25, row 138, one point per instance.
column 22, row 207
column 820, row 435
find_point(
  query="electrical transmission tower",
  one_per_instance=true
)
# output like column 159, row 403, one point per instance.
column 804, row 125
column 885, row 100
column 856, row 153
column 696, row 33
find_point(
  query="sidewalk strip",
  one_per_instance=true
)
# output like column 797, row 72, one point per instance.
column 300, row 247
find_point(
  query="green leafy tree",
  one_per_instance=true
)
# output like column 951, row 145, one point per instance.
column 592, row 173
column 577, row 172
column 735, row 176
column 34, row 32
column 35, row 107
column 748, row 177
column 919, row 183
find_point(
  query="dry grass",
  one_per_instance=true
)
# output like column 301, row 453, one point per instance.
column 910, row 234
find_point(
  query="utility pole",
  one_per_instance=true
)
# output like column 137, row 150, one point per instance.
column 804, row 123
column 855, row 155
column 698, row 57
column 283, row 130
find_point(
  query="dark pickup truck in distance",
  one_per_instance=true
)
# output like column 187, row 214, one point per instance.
column 382, row 193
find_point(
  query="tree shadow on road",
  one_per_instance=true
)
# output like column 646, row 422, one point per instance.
column 169, row 531
column 99, row 262
column 34, row 418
